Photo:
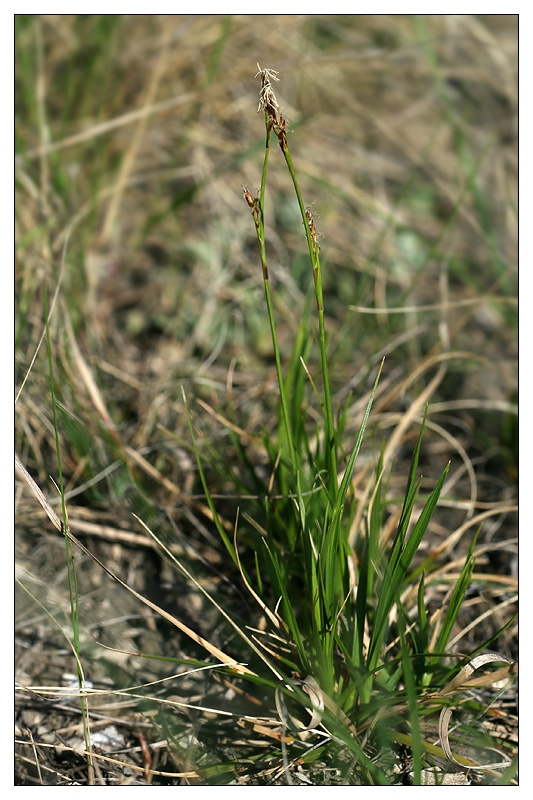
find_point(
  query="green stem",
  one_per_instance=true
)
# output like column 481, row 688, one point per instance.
column 71, row 566
column 331, row 445
column 259, row 219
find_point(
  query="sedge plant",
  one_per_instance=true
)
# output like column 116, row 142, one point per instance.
column 344, row 664
column 347, row 648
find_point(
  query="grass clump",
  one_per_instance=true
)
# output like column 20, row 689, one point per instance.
column 342, row 641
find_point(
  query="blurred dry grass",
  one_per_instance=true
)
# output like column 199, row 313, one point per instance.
column 404, row 137
column 135, row 135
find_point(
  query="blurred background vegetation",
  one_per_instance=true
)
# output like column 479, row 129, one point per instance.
column 135, row 135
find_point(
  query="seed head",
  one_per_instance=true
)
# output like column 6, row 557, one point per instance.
column 267, row 98
column 248, row 197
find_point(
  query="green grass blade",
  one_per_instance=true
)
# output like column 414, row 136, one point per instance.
column 456, row 599
column 396, row 572
column 212, row 508
column 71, row 564
column 345, row 484
column 412, row 707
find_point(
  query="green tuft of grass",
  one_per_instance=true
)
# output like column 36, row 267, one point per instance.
column 347, row 647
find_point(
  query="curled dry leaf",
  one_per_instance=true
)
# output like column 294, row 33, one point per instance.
column 461, row 681
column 314, row 692
column 487, row 680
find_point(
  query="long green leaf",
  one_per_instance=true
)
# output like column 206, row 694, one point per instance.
column 216, row 519
column 396, row 572
column 456, row 599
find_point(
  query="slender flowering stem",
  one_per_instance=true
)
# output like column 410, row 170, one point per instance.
column 257, row 206
column 276, row 121
column 312, row 241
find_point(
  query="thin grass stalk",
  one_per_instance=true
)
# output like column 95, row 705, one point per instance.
column 212, row 508
column 311, row 235
column 71, row 565
column 412, row 704
column 258, row 212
